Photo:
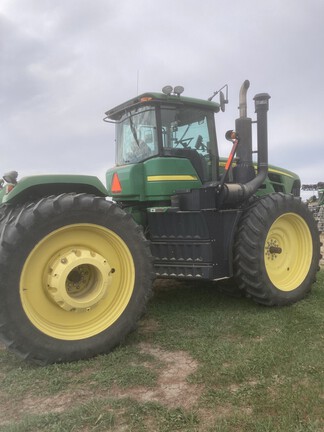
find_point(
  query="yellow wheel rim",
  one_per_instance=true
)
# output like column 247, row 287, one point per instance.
column 288, row 252
column 77, row 281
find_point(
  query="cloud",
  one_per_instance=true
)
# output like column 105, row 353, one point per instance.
column 63, row 64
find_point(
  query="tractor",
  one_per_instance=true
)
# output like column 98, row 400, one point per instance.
column 316, row 203
column 77, row 259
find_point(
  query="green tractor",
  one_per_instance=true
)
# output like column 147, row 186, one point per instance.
column 316, row 203
column 77, row 268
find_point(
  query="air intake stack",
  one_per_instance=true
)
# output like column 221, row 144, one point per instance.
column 261, row 101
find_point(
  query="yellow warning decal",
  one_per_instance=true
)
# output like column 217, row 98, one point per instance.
column 157, row 178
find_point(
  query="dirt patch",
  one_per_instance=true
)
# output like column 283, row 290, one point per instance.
column 53, row 404
column 17, row 409
column 172, row 389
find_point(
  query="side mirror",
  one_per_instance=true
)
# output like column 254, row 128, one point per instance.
column 222, row 101
column 231, row 135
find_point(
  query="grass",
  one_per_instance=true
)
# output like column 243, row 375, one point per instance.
column 252, row 369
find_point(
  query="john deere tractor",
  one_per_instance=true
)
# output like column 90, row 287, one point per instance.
column 77, row 268
column 316, row 203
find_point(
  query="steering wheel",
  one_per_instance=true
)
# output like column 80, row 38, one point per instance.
column 184, row 142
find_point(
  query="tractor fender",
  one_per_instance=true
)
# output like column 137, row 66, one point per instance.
column 38, row 186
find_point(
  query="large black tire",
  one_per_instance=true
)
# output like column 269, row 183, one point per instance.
column 76, row 275
column 277, row 250
column 4, row 210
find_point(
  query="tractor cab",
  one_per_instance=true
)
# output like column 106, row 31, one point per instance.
column 166, row 143
column 167, row 129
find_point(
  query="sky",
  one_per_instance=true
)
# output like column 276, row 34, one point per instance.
column 63, row 63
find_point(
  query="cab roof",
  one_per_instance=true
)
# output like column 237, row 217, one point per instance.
column 152, row 98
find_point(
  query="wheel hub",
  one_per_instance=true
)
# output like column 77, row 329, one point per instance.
column 78, row 279
column 272, row 249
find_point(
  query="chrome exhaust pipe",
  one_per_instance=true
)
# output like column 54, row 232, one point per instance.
column 242, row 99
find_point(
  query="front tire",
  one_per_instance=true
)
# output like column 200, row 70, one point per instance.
column 277, row 250
column 4, row 211
column 76, row 274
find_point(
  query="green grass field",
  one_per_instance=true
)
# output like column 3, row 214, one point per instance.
column 200, row 361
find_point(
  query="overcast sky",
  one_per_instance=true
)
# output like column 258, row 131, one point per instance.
column 63, row 63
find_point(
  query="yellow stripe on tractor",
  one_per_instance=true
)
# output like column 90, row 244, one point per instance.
column 158, row 178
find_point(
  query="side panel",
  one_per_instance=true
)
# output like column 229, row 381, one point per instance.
column 131, row 180
column 164, row 176
column 153, row 180
column 283, row 181
column 159, row 178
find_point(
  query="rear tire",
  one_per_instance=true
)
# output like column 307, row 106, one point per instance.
column 76, row 274
column 277, row 250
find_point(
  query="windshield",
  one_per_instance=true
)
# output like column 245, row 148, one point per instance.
column 136, row 136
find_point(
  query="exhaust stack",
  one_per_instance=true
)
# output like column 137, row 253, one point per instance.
column 241, row 190
column 243, row 105
column 244, row 171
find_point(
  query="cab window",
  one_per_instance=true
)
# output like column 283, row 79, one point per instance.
column 188, row 132
column 136, row 136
